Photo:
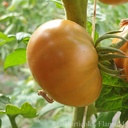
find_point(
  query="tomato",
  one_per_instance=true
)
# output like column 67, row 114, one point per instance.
column 5, row 4
column 113, row 2
column 64, row 62
column 123, row 62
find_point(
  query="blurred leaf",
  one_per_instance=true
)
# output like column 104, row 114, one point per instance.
column 124, row 116
column 14, row 4
column 3, row 101
column 32, row 2
column 89, row 29
column 58, row 4
column 9, row 16
column 3, row 36
column 45, row 123
column 5, row 39
column 47, row 108
column 2, row 112
column 10, row 28
column 12, row 110
column 0, row 123
column 10, row 39
column 28, row 111
column 15, row 58
column 104, row 120
column 22, row 36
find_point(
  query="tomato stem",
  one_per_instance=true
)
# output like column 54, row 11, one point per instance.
column 78, row 117
column 94, row 20
column 76, row 10
column 12, row 120
column 91, row 110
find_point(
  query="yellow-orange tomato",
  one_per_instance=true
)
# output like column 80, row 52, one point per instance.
column 5, row 4
column 113, row 2
column 64, row 62
column 123, row 62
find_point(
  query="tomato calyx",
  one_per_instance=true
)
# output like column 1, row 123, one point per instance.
column 107, row 54
column 111, row 35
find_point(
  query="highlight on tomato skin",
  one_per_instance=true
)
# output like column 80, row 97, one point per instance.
column 123, row 62
column 114, row 2
column 63, row 61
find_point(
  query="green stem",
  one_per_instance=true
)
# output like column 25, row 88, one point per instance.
column 78, row 117
column 12, row 120
column 76, row 10
column 91, row 110
column 0, row 123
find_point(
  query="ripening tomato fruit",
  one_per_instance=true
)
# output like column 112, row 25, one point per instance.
column 64, row 62
column 123, row 62
column 113, row 2
column 5, row 4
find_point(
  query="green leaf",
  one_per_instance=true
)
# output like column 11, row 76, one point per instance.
column 28, row 111
column 89, row 29
column 3, row 36
column 15, row 58
column 12, row 110
column 114, row 81
column 9, row 16
column 104, row 120
column 14, row 5
column 114, row 95
column 124, row 116
column 111, row 98
column 22, row 36
column 3, row 101
column 5, row 39
column 47, row 108
column 58, row 4
column 2, row 112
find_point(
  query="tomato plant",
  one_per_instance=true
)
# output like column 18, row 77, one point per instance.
column 114, row 2
column 64, row 62
column 69, row 76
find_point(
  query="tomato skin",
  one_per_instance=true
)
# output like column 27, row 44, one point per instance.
column 113, row 2
column 64, row 62
column 123, row 62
